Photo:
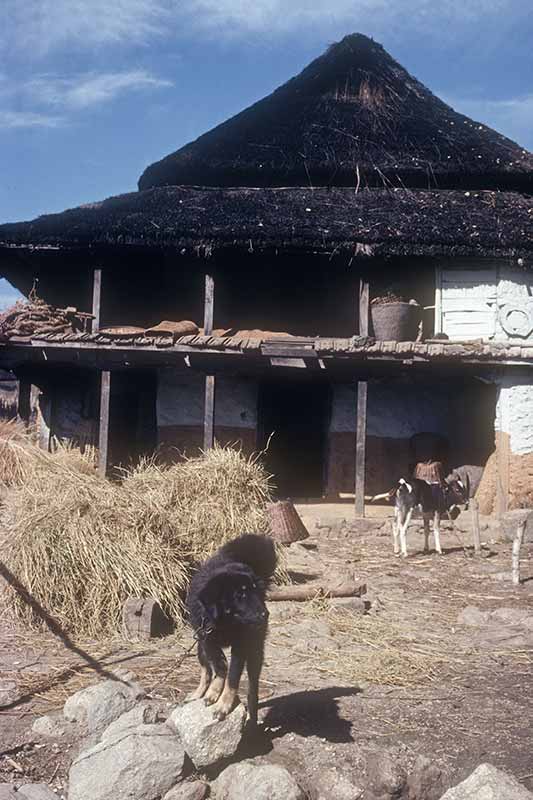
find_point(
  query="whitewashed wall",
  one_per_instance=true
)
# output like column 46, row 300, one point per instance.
column 488, row 299
column 514, row 412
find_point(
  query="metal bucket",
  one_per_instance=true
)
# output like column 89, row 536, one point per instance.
column 396, row 322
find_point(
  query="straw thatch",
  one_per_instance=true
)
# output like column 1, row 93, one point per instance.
column 81, row 545
column 369, row 222
column 353, row 116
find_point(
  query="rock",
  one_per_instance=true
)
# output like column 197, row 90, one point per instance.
column 51, row 725
column 206, row 739
column 247, row 780
column 7, row 792
column 472, row 615
column 141, row 763
column 331, row 785
column 8, row 693
column 356, row 605
column 99, row 705
column 510, row 521
column 36, row 791
column 488, row 783
column 426, row 781
column 141, row 714
column 386, row 776
column 194, row 790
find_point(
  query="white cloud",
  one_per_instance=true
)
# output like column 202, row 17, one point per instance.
column 27, row 119
column 513, row 116
column 44, row 25
column 89, row 89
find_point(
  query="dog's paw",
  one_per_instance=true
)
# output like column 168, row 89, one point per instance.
column 210, row 698
column 223, row 707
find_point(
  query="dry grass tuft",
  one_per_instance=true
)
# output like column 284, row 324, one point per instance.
column 81, row 545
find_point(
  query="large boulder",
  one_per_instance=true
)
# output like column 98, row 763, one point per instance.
column 207, row 740
column 247, row 780
column 99, row 705
column 141, row 714
column 386, row 775
column 140, row 763
column 488, row 783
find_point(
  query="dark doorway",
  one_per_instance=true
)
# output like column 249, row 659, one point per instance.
column 132, row 417
column 293, row 421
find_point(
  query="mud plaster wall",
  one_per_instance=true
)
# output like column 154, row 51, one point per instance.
column 514, row 443
column 395, row 413
column 180, row 412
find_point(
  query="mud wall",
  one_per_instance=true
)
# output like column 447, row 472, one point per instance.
column 180, row 412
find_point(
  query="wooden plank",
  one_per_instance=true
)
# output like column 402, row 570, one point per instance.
column 209, row 305
column 476, row 537
column 97, row 294
column 209, row 412
column 360, row 448
column 103, row 430
column 24, row 401
column 364, row 305
column 438, row 300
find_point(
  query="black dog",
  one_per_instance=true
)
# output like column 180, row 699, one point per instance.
column 226, row 608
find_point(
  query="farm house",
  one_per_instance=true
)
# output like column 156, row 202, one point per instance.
column 338, row 268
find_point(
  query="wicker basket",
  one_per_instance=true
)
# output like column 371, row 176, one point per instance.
column 285, row 523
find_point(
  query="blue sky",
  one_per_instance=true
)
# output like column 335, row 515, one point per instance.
column 91, row 92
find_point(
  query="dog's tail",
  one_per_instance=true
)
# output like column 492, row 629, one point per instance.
column 258, row 552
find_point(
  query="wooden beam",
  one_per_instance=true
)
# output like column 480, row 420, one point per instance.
column 209, row 305
column 364, row 305
column 209, row 404
column 97, row 293
column 360, row 449
column 24, row 401
column 103, row 430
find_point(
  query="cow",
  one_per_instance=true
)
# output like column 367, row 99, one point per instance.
column 434, row 500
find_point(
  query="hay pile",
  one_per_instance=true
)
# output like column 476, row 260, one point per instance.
column 81, row 545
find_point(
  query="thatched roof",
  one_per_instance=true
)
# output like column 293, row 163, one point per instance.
column 371, row 221
column 354, row 115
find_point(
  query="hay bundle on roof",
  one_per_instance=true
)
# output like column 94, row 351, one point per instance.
column 82, row 545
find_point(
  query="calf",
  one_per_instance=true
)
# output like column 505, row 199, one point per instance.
column 433, row 500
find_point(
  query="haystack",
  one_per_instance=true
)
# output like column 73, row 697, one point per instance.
column 82, row 545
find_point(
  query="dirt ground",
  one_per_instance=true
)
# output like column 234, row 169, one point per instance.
column 339, row 687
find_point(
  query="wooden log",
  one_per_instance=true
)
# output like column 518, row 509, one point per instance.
column 301, row 593
column 474, row 511
column 517, row 544
column 143, row 619
column 97, row 293
column 209, row 404
column 360, row 449
column 103, row 431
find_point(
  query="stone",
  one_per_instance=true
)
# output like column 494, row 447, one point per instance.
column 141, row 714
column 36, row 791
column 193, row 790
column 426, row 781
column 356, row 605
column 206, row 740
column 141, row 763
column 8, row 692
column 7, row 792
column 51, row 726
column 510, row 521
column 488, row 783
column 97, row 706
column 474, row 616
column 332, row 785
column 247, row 780
column 386, row 776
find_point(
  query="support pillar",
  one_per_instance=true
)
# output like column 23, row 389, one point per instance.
column 103, row 431
column 209, row 403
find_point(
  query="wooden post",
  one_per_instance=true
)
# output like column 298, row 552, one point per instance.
column 24, row 401
column 517, row 544
column 364, row 305
column 474, row 511
column 360, row 449
column 97, row 293
column 103, row 431
column 209, row 404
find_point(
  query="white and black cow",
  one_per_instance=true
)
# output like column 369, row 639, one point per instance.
column 434, row 500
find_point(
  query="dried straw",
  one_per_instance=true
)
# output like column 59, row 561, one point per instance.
column 81, row 545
